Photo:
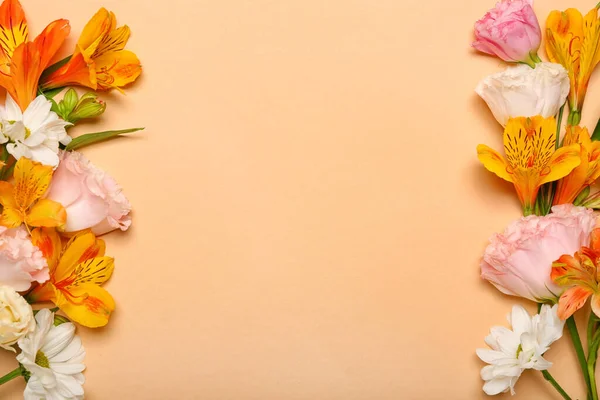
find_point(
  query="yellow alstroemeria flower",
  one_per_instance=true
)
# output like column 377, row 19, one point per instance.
column 574, row 42
column 531, row 159
column 22, row 62
column 23, row 201
column 569, row 187
column 76, row 274
column 99, row 61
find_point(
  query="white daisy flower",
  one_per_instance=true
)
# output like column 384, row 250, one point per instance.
column 35, row 133
column 513, row 351
column 53, row 355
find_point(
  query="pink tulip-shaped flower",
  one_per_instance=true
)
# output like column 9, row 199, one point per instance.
column 519, row 261
column 92, row 198
column 510, row 31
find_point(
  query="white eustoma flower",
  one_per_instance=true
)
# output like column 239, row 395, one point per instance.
column 522, row 91
column 16, row 317
column 513, row 351
column 53, row 355
column 34, row 133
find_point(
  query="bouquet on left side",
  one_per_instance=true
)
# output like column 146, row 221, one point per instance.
column 54, row 202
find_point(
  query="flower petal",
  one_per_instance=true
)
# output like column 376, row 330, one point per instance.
column 87, row 304
column 49, row 243
column 572, row 300
column 493, row 162
column 562, row 162
column 57, row 339
column 46, row 213
column 13, row 30
column 31, row 181
column 7, row 198
column 80, row 248
column 117, row 69
column 11, row 218
column 51, row 39
column 96, row 270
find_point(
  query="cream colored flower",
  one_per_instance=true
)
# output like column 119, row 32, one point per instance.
column 16, row 317
column 522, row 91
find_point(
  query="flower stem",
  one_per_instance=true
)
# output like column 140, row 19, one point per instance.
column 555, row 384
column 572, row 326
column 591, row 329
column 558, row 125
column 11, row 375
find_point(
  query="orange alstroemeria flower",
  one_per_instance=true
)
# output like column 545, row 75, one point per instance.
column 76, row 273
column 22, row 62
column 569, row 187
column 581, row 275
column 531, row 159
column 23, row 201
column 99, row 61
column 574, row 42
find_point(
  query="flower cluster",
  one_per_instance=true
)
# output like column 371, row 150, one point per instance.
column 55, row 204
column 551, row 255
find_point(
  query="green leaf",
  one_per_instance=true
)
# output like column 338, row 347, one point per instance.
column 91, row 138
column 55, row 67
column 59, row 320
column 51, row 93
column 596, row 134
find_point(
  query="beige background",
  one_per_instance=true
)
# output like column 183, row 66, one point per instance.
column 309, row 210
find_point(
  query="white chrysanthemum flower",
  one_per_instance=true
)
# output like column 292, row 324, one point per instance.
column 53, row 355
column 513, row 351
column 35, row 133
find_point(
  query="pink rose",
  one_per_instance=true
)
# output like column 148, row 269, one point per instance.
column 20, row 261
column 510, row 31
column 91, row 197
column 519, row 261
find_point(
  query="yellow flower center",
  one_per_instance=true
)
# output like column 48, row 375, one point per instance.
column 27, row 132
column 41, row 359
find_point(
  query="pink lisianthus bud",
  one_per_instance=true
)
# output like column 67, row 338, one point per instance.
column 510, row 31
column 519, row 261
column 92, row 198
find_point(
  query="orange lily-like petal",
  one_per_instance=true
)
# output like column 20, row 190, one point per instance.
column 81, row 248
column 47, row 213
column 29, row 61
column 571, row 300
column 87, row 304
column 564, row 33
column 13, row 32
column 99, row 60
column 574, row 42
column 595, row 240
column 579, row 274
column 22, row 202
column 75, row 277
column 50, row 244
column 588, row 170
column 531, row 158
column 21, row 61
